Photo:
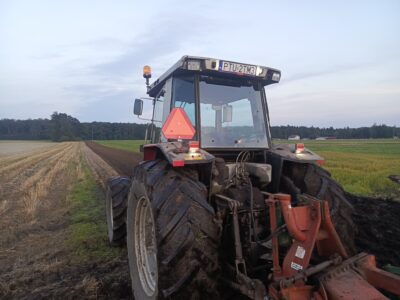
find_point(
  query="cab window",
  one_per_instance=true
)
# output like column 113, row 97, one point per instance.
column 183, row 96
column 155, row 129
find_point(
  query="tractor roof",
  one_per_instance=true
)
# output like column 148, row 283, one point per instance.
column 216, row 67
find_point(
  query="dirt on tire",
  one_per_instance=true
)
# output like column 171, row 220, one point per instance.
column 186, row 234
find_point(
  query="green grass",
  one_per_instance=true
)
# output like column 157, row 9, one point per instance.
column 130, row 145
column 87, row 232
column 361, row 166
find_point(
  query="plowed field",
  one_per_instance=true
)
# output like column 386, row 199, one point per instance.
column 122, row 161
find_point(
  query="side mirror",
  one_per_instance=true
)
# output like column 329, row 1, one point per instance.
column 138, row 107
column 227, row 113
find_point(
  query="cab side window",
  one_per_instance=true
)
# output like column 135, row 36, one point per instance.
column 157, row 117
column 183, row 96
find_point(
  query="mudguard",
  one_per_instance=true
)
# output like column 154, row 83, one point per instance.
column 281, row 153
column 178, row 154
column 288, row 152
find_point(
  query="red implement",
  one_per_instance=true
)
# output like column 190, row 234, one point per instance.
column 312, row 232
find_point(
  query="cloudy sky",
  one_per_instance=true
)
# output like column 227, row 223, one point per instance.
column 340, row 60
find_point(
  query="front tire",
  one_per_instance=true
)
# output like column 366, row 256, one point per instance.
column 116, row 203
column 172, row 239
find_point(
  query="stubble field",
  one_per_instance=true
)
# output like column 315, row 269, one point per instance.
column 18, row 147
column 53, row 241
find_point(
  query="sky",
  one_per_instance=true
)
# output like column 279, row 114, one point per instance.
column 340, row 60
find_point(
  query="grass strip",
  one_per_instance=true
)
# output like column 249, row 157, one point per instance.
column 87, row 236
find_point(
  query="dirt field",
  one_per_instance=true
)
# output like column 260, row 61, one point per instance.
column 38, row 223
column 378, row 225
column 121, row 160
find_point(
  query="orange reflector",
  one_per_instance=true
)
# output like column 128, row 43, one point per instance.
column 178, row 163
column 320, row 162
column 146, row 72
column 178, row 125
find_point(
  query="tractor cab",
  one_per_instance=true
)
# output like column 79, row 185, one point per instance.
column 224, row 101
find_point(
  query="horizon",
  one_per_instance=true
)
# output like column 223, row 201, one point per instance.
column 141, row 123
column 340, row 61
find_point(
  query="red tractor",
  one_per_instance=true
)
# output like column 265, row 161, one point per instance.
column 216, row 211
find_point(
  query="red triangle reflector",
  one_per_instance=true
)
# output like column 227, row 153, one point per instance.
column 178, row 125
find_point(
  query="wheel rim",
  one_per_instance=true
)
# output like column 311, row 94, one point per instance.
column 145, row 246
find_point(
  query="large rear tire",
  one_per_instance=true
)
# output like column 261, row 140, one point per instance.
column 116, row 203
column 172, row 239
column 315, row 181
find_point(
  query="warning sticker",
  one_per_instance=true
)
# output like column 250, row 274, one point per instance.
column 300, row 252
column 295, row 266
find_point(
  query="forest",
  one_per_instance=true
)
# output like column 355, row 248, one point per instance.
column 63, row 127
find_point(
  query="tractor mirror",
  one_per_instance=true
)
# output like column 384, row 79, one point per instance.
column 138, row 107
column 227, row 113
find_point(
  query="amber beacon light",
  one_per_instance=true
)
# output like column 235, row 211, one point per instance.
column 146, row 72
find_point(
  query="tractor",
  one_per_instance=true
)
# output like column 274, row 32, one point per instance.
column 216, row 211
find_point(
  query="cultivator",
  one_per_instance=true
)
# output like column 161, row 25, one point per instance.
column 313, row 233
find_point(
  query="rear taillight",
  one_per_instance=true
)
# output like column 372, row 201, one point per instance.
column 299, row 148
column 194, row 146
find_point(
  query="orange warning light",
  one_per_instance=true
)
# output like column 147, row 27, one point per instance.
column 146, row 72
column 178, row 125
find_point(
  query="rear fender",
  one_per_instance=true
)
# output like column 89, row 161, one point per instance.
column 278, row 155
column 177, row 154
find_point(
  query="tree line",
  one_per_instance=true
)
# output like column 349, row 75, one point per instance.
column 62, row 127
column 373, row 132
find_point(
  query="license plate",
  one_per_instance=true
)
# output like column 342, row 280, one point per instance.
column 231, row 67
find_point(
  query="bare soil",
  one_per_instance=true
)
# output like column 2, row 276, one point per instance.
column 100, row 169
column 122, row 161
column 378, row 225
